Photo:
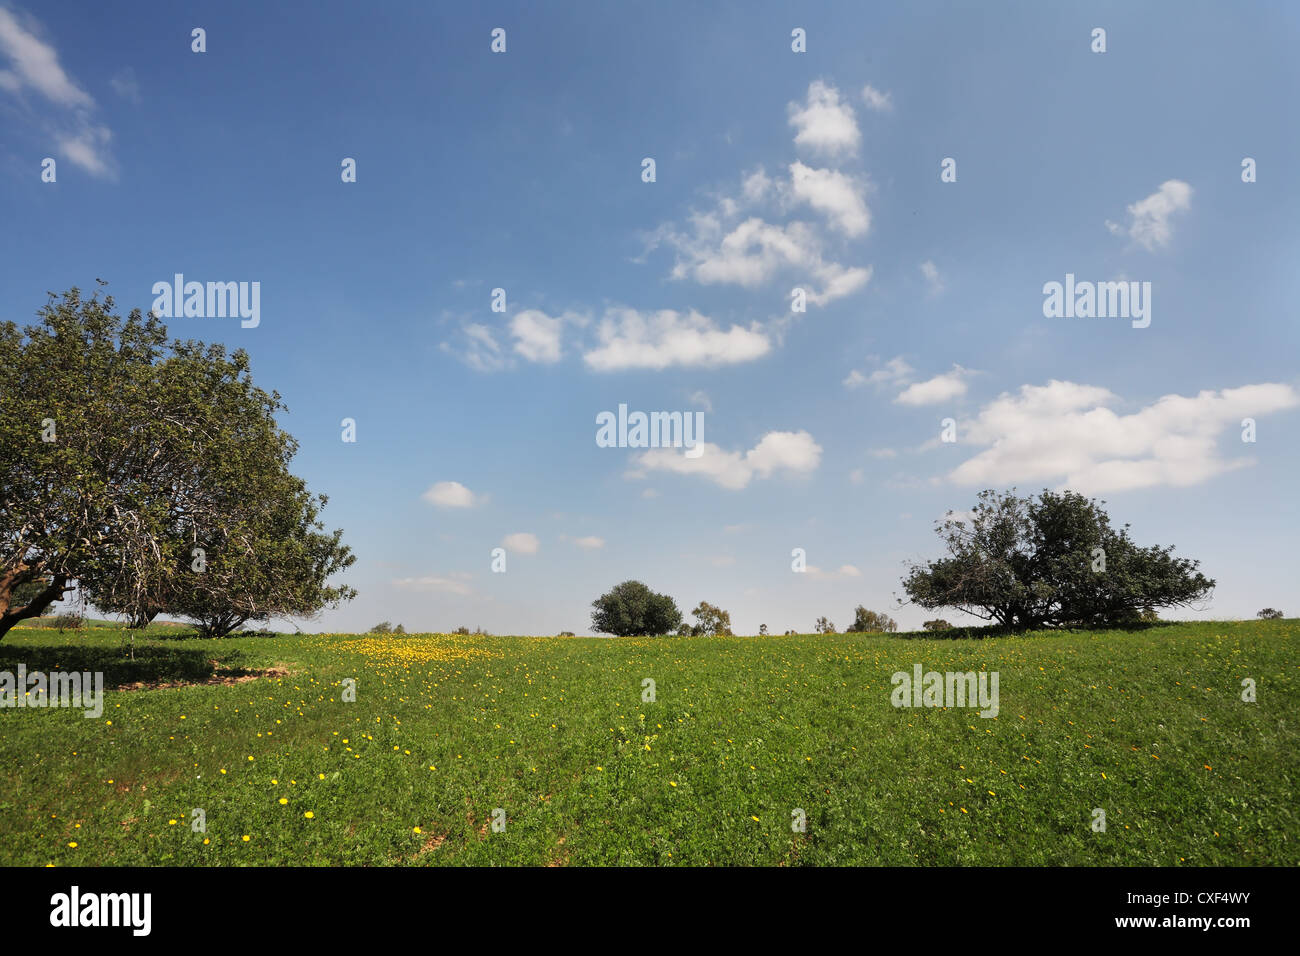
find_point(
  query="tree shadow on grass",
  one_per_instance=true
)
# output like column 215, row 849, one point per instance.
column 152, row 664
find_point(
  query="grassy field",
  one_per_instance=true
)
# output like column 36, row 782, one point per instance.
column 1147, row 725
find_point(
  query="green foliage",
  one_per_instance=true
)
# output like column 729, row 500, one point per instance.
column 631, row 609
column 383, row 627
column 1269, row 614
column 711, row 621
column 69, row 622
column 865, row 621
column 1050, row 562
column 939, row 624
column 122, row 453
column 823, row 626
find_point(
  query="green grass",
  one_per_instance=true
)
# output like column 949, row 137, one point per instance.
column 1148, row 725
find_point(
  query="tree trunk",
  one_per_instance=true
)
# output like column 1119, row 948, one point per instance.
column 10, row 615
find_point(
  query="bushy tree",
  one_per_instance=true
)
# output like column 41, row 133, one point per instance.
column 1269, row 614
column 939, row 624
column 127, row 461
column 1051, row 562
column 631, row 609
column 865, row 621
column 823, row 626
column 711, row 621
column 762, row 630
column 383, row 627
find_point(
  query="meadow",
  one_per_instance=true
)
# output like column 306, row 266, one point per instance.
column 1148, row 725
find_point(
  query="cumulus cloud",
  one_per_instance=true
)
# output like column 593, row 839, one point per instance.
column 1149, row 218
column 628, row 338
column 754, row 252
column 450, row 494
column 537, row 335
column 836, row 196
column 824, row 122
column 591, row 542
column 521, row 543
column 941, row 388
column 1067, row 433
column 788, row 452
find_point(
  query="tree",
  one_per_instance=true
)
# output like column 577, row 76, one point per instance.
column 871, row 621
column 383, row 627
column 1269, row 614
column 1050, row 562
column 762, row 630
column 631, row 609
column 824, row 626
column 937, row 625
column 127, row 462
column 711, row 621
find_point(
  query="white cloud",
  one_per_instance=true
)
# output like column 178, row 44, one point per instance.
column 790, row 452
column 834, row 195
column 825, row 124
column 479, row 349
column 894, row 372
column 537, row 335
column 591, row 542
column 876, row 100
column 941, row 388
column 455, row 584
column 450, row 494
column 1065, row 432
column 931, row 273
column 754, row 252
column 843, row 571
column 649, row 493
column 1149, row 218
column 521, row 543
column 658, row 340
column 702, row 399
column 32, row 63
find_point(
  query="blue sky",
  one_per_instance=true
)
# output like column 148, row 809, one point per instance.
column 820, row 170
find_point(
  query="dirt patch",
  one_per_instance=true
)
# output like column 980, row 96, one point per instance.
column 220, row 676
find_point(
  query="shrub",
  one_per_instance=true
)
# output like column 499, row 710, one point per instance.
column 1269, row 614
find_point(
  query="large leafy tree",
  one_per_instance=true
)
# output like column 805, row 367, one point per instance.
column 865, row 621
column 632, row 609
column 121, row 453
column 1050, row 562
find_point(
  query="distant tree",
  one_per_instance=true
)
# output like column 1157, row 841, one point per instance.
column 69, row 622
column 383, row 627
column 711, row 621
column 1050, row 562
column 1269, row 614
column 824, row 626
column 939, row 624
column 566, row 634
column 631, row 609
column 461, row 630
column 865, row 621
column 399, row 630
column 762, row 629
column 789, row 633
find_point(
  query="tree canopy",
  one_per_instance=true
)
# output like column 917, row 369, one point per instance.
column 1051, row 562
column 153, row 473
column 631, row 609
